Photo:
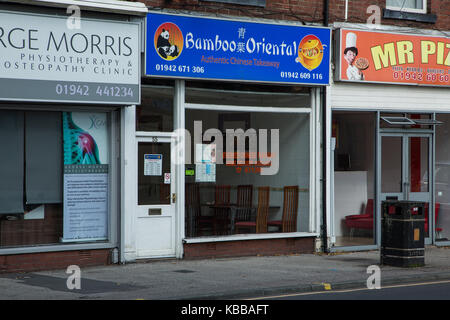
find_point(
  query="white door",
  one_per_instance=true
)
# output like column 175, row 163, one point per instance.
column 156, row 198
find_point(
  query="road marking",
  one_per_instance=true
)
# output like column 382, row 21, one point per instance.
column 349, row 290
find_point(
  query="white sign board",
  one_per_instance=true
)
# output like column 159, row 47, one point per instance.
column 85, row 207
column 167, row 178
column 43, row 60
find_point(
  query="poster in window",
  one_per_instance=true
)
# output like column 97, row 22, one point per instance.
column 205, row 166
column 86, row 180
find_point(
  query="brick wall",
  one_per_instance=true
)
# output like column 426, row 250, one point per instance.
column 307, row 10
column 53, row 260
column 248, row 248
column 357, row 13
column 294, row 10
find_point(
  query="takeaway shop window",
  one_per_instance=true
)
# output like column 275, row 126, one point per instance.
column 238, row 94
column 40, row 193
column 239, row 191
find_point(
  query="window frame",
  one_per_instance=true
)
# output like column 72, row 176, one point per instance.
column 406, row 9
column 113, row 189
column 256, row 3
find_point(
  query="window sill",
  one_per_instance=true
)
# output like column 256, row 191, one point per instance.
column 241, row 237
column 410, row 16
column 57, row 248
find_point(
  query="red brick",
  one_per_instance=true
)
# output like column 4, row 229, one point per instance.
column 52, row 260
column 249, row 248
column 307, row 10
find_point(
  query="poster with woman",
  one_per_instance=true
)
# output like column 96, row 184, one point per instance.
column 86, row 158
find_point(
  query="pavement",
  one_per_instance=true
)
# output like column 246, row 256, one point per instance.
column 220, row 279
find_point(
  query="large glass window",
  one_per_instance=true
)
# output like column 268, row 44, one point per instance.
column 354, row 177
column 155, row 113
column 54, row 177
column 442, row 179
column 246, row 171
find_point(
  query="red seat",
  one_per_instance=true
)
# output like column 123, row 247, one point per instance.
column 361, row 221
column 365, row 221
column 437, row 205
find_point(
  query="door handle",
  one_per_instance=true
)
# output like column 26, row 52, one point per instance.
column 174, row 197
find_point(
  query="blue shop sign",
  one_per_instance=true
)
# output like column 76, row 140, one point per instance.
column 202, row 48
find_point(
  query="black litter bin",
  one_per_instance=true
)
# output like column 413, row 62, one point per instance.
column 402, row 233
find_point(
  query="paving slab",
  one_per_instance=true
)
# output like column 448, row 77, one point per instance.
column 230, row 278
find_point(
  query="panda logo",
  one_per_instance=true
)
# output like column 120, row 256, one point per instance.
column 168, row 41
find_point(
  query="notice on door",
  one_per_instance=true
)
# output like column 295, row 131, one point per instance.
column 153, row 164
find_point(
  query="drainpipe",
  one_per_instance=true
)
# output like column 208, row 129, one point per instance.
column 324, row 146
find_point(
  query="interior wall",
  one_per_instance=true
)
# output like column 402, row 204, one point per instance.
column 354, row 185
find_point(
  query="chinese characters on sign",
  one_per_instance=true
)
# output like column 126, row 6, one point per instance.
column 185, row 47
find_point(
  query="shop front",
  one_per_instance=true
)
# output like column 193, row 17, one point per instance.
column 61, row 92
column 388, row 133
column 225, row 146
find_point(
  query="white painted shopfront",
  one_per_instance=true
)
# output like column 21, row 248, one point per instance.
column 371, row 156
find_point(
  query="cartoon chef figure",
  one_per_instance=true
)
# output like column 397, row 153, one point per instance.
column 350, row 53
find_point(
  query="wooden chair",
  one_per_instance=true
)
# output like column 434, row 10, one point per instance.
column 222, row 217
column 196, row 224
column 260, row 225
column 288, row 223
column 244, row 202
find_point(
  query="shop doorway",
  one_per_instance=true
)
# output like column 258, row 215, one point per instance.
column 405, row 169
column 156, row 198
column 378, row 156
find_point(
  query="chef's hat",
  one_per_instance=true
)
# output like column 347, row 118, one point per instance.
column 350, row 40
